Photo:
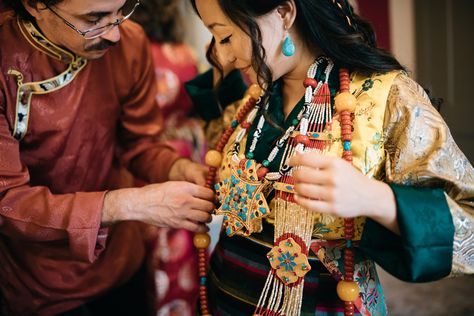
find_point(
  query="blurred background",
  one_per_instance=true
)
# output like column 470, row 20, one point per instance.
column 434, row 39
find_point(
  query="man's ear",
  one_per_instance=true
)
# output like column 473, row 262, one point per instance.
column 35, row 8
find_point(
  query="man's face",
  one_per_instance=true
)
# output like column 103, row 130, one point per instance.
column 84, row 15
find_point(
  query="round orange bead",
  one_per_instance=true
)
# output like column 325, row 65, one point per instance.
column 201, row 240
column 262, row 172
column 345, row 101
column 348, row 291
column 255, row 91
column 213, row 158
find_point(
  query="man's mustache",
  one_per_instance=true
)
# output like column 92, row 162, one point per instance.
column 103, row 44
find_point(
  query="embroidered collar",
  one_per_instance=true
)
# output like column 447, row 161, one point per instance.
column 40, row 42
column 26, row 90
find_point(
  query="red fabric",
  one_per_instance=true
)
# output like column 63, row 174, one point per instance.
column 52, row 183
column 377, row 13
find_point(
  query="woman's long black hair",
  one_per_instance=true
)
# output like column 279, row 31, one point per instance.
column 329, row 25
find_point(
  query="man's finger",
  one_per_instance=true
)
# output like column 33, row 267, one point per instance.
column 204, row 193
column 199, row 216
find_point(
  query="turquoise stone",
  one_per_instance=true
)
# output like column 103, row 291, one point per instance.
column 348, row 243
column 347, row 145
column 288, row 48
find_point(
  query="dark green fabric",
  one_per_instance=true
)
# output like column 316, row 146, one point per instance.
column 271, row 134
column 200, row 89
column 423, row 252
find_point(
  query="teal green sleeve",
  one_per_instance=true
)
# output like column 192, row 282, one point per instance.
column 207, row 103
column 423, row 251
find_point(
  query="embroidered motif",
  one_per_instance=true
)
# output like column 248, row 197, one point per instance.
column 27, row 90
column 288, row 261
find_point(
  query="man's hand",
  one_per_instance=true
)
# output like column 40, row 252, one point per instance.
column 186, row 170
column 171, row 204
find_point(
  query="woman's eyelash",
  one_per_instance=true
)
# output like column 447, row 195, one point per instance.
column 225, row 40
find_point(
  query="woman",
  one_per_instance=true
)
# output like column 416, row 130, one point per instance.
column 343, row 163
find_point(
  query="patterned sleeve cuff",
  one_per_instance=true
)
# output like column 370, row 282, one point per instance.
column 423, row 251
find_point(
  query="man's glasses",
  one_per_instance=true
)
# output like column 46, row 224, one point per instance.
column 126, row 11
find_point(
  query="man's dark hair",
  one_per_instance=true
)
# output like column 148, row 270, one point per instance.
column 20, row 10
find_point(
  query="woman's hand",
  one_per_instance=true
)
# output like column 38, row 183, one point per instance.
column 330, row 185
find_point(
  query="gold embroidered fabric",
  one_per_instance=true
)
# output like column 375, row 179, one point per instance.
column 420, row 150
column 403, row 140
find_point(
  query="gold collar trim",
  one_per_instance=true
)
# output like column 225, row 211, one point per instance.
column 40, row 42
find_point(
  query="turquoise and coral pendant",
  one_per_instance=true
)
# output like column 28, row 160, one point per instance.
column 243, row 199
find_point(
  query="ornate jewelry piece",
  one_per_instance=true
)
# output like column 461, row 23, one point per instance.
column 248, row 186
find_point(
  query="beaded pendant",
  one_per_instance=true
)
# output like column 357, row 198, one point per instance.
column 243, row 199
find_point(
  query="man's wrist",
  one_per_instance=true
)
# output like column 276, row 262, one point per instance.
column 114, row 210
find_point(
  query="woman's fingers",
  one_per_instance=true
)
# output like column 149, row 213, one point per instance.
column 313, row 176
column 313, row 205
column 313, row 191
column 311, row 159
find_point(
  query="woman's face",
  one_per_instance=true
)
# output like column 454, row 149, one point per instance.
column 234, row 46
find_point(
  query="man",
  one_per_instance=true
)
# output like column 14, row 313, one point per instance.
column 76, row 108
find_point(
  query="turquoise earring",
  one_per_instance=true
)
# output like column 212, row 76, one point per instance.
column 288, row 48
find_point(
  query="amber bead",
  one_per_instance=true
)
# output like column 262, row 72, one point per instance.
column 213, row 158
column 345, row 101
column 347, row 291
column 201, row 241
column 255, row 91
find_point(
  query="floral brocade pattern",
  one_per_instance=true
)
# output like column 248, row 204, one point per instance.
column 421, row 150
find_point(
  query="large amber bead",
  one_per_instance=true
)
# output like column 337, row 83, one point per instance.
column 345, row 101
column 213, row 158
column 348, row 291
column 201, row 240
column 255, row 91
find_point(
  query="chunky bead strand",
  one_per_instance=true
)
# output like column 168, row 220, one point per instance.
column 345, row 103
column 213, row 161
